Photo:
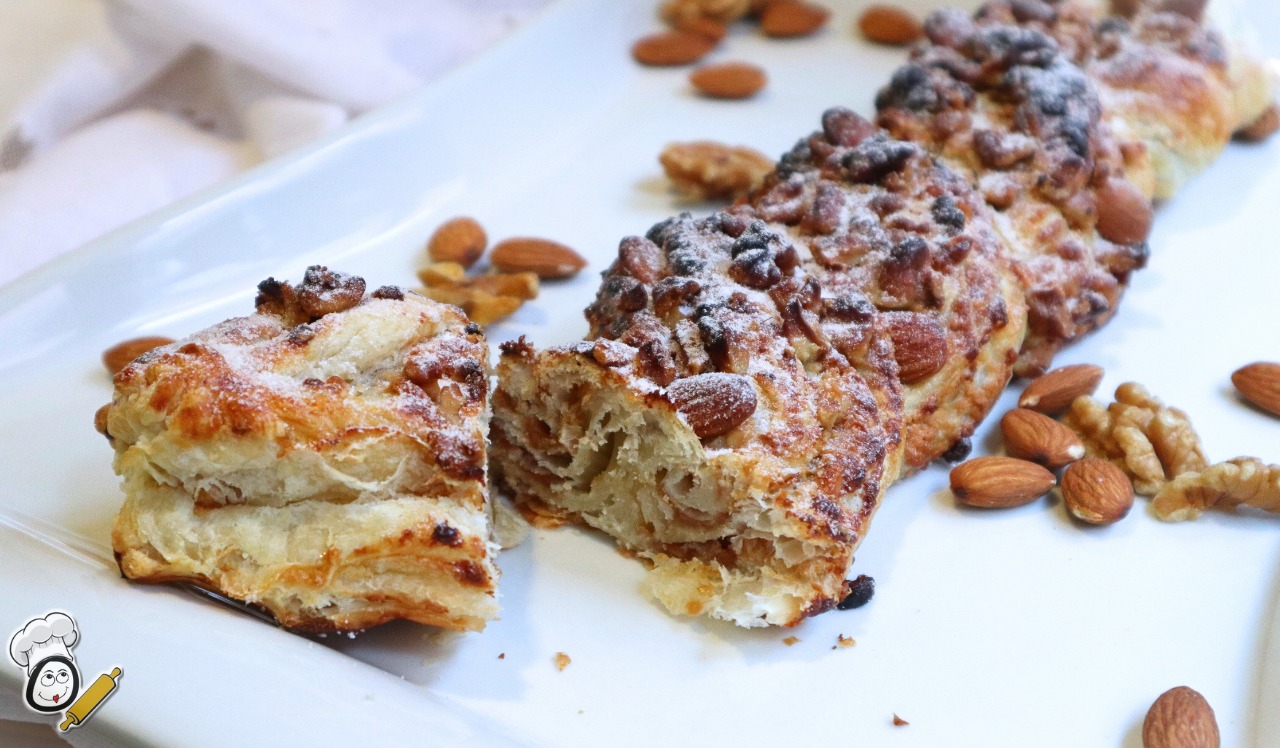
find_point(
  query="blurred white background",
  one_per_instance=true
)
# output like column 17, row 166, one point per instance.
column 111, row 109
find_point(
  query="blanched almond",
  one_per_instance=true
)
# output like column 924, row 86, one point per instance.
column 1259, row 383
column 728, row 80
column 669, row 48
column 791, row 18
column 461, row 240
column 121, row 355
column 889, row 24
column 543, row 257
column 1033, row 436
column 1096, row 491
column 1055, row 391
column 999, row 482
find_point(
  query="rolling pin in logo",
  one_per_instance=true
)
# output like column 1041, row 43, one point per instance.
column 84, row 706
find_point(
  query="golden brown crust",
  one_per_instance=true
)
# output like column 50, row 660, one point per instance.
column 324, row 458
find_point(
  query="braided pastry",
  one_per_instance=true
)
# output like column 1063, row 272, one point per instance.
column 753, row 380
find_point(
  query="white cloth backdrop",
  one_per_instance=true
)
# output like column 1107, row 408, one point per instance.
column 110, row 109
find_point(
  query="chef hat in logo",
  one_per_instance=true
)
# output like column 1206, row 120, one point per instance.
column 41, row 638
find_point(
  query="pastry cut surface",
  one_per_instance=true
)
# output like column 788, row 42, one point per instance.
column 324, row 458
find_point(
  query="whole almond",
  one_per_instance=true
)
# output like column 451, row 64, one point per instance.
column 702, row 26
column 791, row 18
column 671, row 48
column 728, row 80
column 1262, row 127
column 1180, row 718
column 1096, row 491
column 461, row 240
column 1033, row 436
column 715, row 403
column 543, row 257
column 121, row 355
column 1124, row 213
column 1259, row 383
column 999, row 482
column 889, row 24
column 1054, row 392
column 919, row 345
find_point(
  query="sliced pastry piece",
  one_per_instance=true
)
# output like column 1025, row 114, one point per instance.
column 324, row 458
column 737, row 411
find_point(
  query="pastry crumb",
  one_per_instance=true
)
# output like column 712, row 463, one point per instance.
column 502, row 655
column 562, row 661
column 790, row 641
column 844, row 642
column 899, row 721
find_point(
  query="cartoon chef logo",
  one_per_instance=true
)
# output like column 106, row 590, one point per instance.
column 43, row 649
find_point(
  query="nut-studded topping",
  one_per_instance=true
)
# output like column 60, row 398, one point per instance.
column 919, row 345
column 1054, row 392
column 543, row 257
column 1259, row 383
column 121, row 355
column 877, row 156
column 999, row 482
column 461, row 240
column 1096, row 491
column 713, row 404
column 1033, row 436
column 1180, row 718
column 326, row 292
column 1124, row 214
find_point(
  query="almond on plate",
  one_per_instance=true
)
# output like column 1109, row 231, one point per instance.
column 1096, row 491
column 1054, row 392
column 1259, row 383
column 728, row 80
column 791, row 18
column 1180, row 718
column 461, row 240
column 122, row 354
column 999, row 482
column 668, row 48
column 547, row 259
column 889, row 24
column 1033, row 436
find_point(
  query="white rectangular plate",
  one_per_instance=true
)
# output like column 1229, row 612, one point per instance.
column 1008, row 628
